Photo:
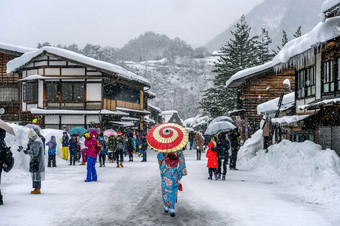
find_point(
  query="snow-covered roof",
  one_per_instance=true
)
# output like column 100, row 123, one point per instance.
column 37, row 111
column 171, row 112
column 123, row 124
column 40, row 77
column 130, row 119
column 154, row 107
column 271, row 106
column 322, row 32
column 150, row 93
column 148, row 120
column 236, row 111
column 246, row 73
column 20, row 62
column 133, row 110
column 289, row 120
column 15, row 48
column 329, row 4
column 319, row 103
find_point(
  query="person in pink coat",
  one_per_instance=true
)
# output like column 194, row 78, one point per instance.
column 92, row 153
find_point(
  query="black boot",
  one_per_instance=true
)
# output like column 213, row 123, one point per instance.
column 1, row 202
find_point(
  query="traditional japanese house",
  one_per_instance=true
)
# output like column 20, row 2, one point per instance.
column 171, row 117
column 67, row 89
column 255, row 86
column 9, row 85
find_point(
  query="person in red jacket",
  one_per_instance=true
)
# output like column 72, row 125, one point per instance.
column 212, row 158
column 92, row 151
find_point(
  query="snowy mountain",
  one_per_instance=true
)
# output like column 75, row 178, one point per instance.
column 177, row 85
column 275, row 16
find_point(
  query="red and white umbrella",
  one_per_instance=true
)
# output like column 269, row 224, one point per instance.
column 167, row 137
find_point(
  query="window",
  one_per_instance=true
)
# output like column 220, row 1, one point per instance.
column 72, row 91
column 301, row 84
column 52, row 91
column 9, row 94
column 328, row 77
column 310, row 81
column 338, row 77
column 122, row 92
column 30, row 92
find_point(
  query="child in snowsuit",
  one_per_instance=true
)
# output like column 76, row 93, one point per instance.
column 52, row 144
column 212, row 159
column 92, row 153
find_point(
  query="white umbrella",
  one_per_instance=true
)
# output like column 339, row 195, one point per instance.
column 6, row 127
column 217, row 127
column 222, row 118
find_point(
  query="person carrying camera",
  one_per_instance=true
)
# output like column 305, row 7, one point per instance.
column 35, row 150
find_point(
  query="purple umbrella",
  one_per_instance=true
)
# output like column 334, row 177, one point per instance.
column 95, row 129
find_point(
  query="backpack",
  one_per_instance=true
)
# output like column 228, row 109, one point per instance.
column 120, row 146
column 133, row 142
column 102, row 143
column 8, row 161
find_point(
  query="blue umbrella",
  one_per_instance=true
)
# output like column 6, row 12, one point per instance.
column 77, row 130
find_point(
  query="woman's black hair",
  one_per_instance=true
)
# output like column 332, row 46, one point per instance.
column 172, row 156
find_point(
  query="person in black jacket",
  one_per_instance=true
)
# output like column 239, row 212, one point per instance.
column 2, row 155
column 144, row 147
column 191, row 139
column 222, row 147
column 234, row 141
column 130, row 146
column 65, row 141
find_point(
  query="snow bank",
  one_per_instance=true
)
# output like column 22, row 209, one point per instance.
column 272, row 105
column 302, row 166
column 250, row 147
column 22, row 160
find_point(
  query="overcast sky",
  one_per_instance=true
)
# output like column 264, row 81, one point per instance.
column 115, row 22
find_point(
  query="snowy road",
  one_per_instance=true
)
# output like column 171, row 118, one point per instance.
column 131, row 196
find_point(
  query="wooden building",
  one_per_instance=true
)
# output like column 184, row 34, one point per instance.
column 315, row 58
column 171, row 117
column 9, row 86
column 67, row 89
column 256, row 86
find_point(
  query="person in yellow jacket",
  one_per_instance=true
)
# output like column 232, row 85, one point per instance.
column 64, row 142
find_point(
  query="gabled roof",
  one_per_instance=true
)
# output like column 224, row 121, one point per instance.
column 14, row 49
column 20, row 62
column 329, row 4
column 322, row 32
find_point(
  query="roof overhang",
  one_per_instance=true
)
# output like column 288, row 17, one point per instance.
column 37, row 111
column 320, row 104
column 290, row 121
column 143, row 112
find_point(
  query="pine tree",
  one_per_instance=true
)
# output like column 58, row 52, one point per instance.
column 264, row 41
column 284, row 41
column 298, row 32
column 239, row 53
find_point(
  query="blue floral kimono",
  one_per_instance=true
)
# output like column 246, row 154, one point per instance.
column 171, row 172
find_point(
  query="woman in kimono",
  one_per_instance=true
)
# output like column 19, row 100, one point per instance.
column 172, row 167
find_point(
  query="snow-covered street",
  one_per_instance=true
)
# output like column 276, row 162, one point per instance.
column 132, row 196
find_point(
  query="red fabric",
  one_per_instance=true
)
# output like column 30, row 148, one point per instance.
column 171, row 163
column 212, row 156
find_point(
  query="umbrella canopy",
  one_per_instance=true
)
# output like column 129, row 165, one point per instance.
column 110, row 132
column 95, row 129
column 6, row 127
column 217, row 127
column 78, row 130
column 167, row 137
column 222, row 118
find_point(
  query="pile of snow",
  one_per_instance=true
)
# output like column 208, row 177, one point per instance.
column 271, row 106
column 21, row 139
column 304, row 166
column 251, row 146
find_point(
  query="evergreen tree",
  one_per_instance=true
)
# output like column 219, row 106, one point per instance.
column 264, row 41
column 239, row 53
column 284, row 41
column 298, row 32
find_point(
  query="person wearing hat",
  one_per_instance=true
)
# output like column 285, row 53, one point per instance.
column 83, row 147
column 144, row 146
column 73, row 147
column 103, row 151
column 64, row 148
column 37, row 163
column 52, row 145
column 92, row 152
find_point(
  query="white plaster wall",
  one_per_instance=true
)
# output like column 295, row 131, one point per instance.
column 72, row 119
column 73, row 71
column 32, row 72
column 92, row 118
column 30, row 106
column 94, row 91
column 52, row 71
column 52, row 119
